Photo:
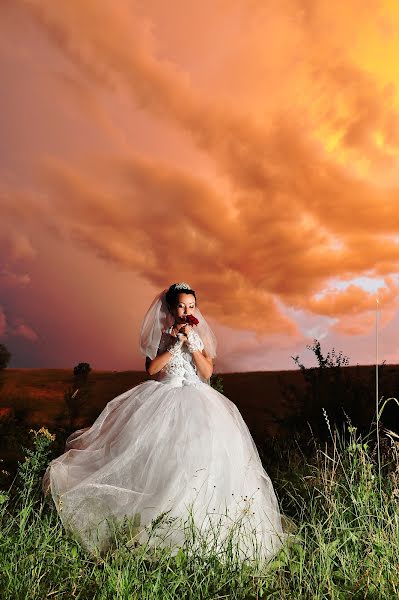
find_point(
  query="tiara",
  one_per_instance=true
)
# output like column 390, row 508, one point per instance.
column 182, row 286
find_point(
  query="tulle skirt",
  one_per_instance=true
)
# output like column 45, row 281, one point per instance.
column 174, row 456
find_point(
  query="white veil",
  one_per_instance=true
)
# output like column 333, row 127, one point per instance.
column 158, row 318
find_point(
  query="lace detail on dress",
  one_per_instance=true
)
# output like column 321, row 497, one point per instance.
column 181, row 363
column 194, row 341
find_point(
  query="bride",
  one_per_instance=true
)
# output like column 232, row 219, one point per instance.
column 172, row 445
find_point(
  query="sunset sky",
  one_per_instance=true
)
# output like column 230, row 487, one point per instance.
column 250, row 148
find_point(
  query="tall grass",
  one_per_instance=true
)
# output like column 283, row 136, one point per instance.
column 345, row 545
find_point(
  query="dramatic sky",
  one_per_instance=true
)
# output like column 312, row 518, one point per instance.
column 250, row 148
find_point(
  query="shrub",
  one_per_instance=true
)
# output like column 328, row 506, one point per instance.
column 329, row 386
column 31, row 470
column 216, row 382
column 5, row 356
column 81, row 371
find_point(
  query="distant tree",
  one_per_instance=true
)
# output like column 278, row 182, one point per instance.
column 81, row 371
column 5, row 356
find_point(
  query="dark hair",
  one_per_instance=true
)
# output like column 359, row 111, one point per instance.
column 173, row 292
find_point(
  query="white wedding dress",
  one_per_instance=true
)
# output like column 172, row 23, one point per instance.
column 171, row 445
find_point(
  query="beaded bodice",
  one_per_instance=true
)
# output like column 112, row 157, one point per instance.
column 181, row 368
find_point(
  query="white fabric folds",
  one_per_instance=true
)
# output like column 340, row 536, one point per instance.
column 171, row 445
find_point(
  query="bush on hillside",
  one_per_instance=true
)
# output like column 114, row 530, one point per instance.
column 81, row 371
column 5, row 356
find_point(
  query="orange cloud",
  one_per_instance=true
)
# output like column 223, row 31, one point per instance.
column 292, row 201
column 16, row 328
column 23, row 330
column 353, row 300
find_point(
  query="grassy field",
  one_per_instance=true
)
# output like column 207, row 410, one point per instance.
column 338, row 492
column 341, row 507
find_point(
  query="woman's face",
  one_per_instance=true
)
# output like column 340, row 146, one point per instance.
column 185, row 306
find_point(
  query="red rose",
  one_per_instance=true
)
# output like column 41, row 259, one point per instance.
column 191, row 320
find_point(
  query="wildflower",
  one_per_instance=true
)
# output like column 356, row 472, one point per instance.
column 43, row 431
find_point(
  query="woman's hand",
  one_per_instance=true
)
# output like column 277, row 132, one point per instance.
column 184, row 329
column 181, row 328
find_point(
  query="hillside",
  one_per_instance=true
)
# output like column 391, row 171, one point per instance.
column 265, row 399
